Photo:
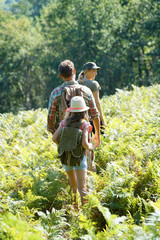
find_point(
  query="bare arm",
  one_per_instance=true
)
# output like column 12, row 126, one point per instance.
column 95, row 118
column 51, row 120
column 56, row 135
column 96, row 137
column 85, row 142
column 98, row 104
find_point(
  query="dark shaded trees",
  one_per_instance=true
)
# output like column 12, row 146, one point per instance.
column 123, row 37
column 21, row 78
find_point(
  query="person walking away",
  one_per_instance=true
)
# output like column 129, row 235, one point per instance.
column 87, row 78
column 72, row 139
column 67, row 73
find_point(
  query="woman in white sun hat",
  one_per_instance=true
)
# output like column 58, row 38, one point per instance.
column 72, row 139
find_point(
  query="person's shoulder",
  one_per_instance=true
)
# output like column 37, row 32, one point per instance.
column 95, row 85
column 92, row 85
column 94, row 82
column 85, row 125
column 80, row 82
column 87, row 90
column 56, row 92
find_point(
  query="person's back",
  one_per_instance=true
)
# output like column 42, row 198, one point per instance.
column 56, row 109
column 67, row 73
column 87, row 78
column 92, row 85
column 72, row 140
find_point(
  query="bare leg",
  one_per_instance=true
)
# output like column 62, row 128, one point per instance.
column 72, row 180
column 73, row 184
column 81, row 177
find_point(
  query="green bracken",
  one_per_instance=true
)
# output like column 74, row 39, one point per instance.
column 124, row 194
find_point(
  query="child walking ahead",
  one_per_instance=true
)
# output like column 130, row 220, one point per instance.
column 72, row 140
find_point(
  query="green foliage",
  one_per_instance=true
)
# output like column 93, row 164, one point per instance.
column 30, row 8
column 7, row 4
column 53, row 223
column 13, row 228
column 123, row 196
column 20, row 74
column 130, row 151
column 120, row 36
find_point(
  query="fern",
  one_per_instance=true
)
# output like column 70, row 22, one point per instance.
column 122, row 196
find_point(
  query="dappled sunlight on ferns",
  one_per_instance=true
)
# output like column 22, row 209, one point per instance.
column 123, row 196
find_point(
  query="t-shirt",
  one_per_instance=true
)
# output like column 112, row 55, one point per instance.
column 93, row 85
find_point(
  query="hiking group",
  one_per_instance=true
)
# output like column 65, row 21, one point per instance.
column 73, row 108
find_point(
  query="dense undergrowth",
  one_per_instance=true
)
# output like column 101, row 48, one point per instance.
column 123, row 201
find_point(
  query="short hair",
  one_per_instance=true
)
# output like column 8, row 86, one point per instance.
column 66, row 68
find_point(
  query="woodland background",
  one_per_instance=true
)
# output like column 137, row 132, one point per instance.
column 121, row 36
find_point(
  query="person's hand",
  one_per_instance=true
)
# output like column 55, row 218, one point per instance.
column 91, row 147
column 96, row 141
column 102, row 127
column 103, row 124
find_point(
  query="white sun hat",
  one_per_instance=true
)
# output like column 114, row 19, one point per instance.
column 77, row 105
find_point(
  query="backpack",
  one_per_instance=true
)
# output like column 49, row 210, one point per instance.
column 70, row 149
column 67, row 94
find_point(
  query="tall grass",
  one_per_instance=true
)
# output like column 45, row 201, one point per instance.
column 123, row 200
